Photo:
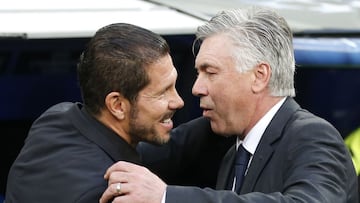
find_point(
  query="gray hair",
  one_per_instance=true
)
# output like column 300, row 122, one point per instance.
column 259, row 35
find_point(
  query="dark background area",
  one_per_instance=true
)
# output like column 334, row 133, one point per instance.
column 35, row 74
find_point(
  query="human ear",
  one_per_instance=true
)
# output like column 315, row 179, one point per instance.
column 262, row 73
column 116, row 104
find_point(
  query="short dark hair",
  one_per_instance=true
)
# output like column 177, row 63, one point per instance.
column 115, row 60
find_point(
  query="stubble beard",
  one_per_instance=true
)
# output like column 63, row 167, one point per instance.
column 141, row 132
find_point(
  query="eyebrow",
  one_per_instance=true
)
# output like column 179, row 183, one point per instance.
column 203, row 66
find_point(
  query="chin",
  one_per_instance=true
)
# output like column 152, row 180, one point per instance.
column 215, row 128
column 161, row 139
column 220, row 131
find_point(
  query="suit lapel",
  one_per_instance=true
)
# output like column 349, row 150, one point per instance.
column 265, row 149
column 225, row 168
column 258, row 162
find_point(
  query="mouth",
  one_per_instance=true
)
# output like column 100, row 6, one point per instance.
column 167, row 121
column 205, row 109
column 206, row 112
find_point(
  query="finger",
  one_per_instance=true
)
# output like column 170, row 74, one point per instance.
column 114, row 190
column 107, row 195
column 115, row 167
column 121, row 166
column 116, row 177
column 123, row 199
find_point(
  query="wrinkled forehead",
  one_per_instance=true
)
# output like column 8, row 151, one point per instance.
column 215, row 49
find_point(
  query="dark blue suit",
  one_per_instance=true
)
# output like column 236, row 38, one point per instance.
column 65, row 157
column 300, row 158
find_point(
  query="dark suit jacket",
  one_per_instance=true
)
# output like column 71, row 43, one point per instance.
column 64, row 158
column 300, row 158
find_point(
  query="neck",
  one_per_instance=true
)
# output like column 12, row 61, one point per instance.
column 116, row 125
column 263, row 105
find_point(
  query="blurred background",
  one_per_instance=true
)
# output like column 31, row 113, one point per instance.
column 40, row 43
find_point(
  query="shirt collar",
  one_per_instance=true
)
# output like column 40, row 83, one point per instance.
column 252, row 139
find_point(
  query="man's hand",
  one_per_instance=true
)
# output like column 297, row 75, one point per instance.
column 137, row 184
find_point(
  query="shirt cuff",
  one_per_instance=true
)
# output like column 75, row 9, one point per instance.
column 163, row 197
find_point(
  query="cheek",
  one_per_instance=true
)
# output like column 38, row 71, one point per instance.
column 231, row 99
column 225, row 92
column 153, row 109
column 159, row 107
column 219, row 87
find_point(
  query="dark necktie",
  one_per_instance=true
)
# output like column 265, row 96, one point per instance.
column 241, row 162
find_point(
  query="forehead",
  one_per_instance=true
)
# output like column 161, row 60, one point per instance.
column 162, row 72
column 161, row 67
column 215, row 51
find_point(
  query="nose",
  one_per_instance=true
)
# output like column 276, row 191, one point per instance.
column 177, row 102
column 199, row 89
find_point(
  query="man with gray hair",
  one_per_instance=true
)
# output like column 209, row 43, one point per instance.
column 245, row 82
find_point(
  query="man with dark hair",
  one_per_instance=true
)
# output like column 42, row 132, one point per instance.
column 127, row 80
